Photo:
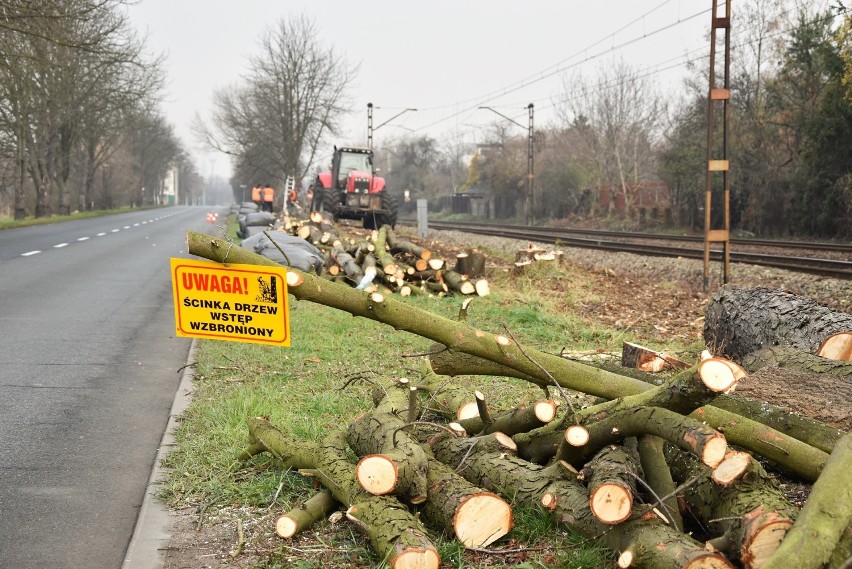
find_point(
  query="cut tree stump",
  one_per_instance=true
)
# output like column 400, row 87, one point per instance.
column 470, row 263
column 739, row 321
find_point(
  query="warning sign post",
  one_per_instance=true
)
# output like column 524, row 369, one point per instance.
column 241, row 303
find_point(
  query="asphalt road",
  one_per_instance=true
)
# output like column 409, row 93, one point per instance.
column 88, row 372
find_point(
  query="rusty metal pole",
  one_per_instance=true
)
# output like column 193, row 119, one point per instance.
column 530, row 171
column 718, row 165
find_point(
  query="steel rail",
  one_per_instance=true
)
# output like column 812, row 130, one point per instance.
column 814, row 246
column 828, row 267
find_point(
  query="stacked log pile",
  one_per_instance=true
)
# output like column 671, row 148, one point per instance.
column 383, row 261
column 625, row 469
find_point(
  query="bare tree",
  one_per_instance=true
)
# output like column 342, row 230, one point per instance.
column 616, row 117
column 73, row 69
column 292, row 97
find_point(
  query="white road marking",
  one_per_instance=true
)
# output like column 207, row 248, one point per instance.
column 30, row 253
column 101, row 234
column 82, row 239
column 60, row 245
column 115, row 230
column 126, row 227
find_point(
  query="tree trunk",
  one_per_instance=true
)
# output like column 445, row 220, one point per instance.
column 791, row 358
column 739, row 321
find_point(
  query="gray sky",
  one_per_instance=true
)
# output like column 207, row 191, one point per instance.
column 443, row 57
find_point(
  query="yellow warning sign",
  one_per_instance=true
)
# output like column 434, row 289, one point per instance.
column 241, row 303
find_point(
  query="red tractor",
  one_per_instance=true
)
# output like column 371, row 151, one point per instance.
column 352, row 190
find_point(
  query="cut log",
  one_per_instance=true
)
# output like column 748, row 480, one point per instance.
column 654, row 544
column 732, row 468
column 304, row 516
column 482, row 287
column 477, row 517
column 804, row 429
column 392, row 461
column 837, row 347
column 611, row 480
column 521, row 419
column 399, row 245
column 681, row 393
column 646, row 359
column 458, row 283
column 750, row 515
column 741, row 320
column 384, row 258
column 394, row 532
column 825, row 517
column 447, row 397
column 685, row 433
column 346, row 262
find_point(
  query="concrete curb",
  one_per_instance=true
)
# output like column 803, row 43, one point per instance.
column 150, row 540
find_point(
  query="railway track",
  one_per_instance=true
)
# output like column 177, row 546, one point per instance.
column 839, row 266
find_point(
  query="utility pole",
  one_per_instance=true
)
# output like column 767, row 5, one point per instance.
column 370, row 128
column 529, row 202
column 719, row 165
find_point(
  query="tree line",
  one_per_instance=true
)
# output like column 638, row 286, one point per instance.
column 80, row 125
column 790, row 130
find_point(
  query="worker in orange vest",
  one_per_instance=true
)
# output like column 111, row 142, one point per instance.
column 255, row 194
column 268, row 198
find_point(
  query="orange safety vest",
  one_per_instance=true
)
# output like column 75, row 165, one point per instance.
column 268, row 194
column 255, row 194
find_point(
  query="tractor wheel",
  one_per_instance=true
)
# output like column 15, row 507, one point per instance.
column 390, row 202
column 330, row 202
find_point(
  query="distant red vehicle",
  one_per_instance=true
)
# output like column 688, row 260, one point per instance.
column 352, row 190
